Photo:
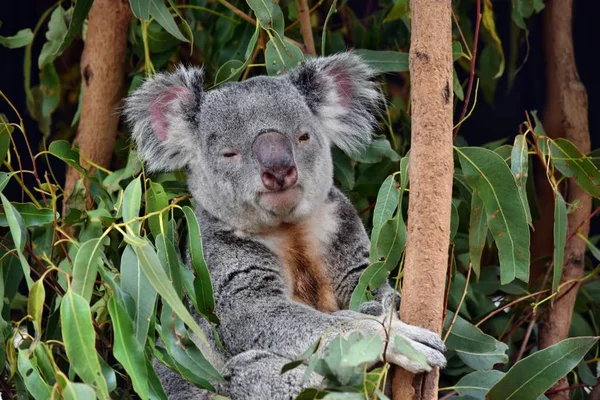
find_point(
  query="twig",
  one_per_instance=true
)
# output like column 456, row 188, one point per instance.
column 462, row 36
column 460, row 303
column 472, row 70
column 526, row 337
column 305, row 27
column 512, row 303
column 293, row 24
column 238, row 12
column 577, row 386
column 448, row 280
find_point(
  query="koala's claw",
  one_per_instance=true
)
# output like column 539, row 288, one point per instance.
column 421, row 335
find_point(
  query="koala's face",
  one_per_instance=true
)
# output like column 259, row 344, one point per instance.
column 257, row 152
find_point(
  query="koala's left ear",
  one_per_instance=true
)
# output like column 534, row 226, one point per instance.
column 340, row 91
column 162, row 115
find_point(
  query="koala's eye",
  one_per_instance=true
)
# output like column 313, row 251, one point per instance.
column 229, row 154
column 304, row 137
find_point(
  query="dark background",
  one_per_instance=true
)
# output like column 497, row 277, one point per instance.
column 486, row 124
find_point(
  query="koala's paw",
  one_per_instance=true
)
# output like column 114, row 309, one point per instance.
column 422, row 340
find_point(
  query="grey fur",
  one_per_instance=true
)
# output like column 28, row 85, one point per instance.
column 262, row 327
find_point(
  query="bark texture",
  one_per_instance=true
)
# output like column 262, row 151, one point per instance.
column 103, row 75
column 566, row 116
column 430, row 175
column 305, row 27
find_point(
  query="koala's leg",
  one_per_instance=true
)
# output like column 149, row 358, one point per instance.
column 256, row 375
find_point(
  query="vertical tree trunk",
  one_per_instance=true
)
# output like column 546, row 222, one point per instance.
column 566, row 116
column 102, row 73
column 430, row 172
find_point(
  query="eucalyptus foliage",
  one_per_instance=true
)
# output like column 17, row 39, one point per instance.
column 86, row 295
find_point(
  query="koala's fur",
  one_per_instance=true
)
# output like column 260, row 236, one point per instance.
column 283, row 267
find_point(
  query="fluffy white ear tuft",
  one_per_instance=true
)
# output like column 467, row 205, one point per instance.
column 341, row 92
column 162, row 114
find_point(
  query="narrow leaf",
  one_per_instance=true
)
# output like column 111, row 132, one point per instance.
column 85, row 268
column 382, row 61
column 132, row 198
column 202, row 284
column 477, row 233
column 36, row 386
column 560, row 239
column 79, row 339
column 20, row 39
column 127, row 349
column 519, row 165
column 491, row 179
column 533, row 375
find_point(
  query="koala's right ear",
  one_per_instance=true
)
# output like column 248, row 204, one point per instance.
column 162, row 114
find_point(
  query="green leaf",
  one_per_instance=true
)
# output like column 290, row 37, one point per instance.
column 141, row 8
column 386, row 204
column 151, row 266
column 35, row 305
column 457, row 87
column 127, row 349
column 132, row 198
column 478, row 383
column 378, row 149
column 62, row 149
column 157, row 200
column 136, row 284
column 168, row 258
column 32, row 216
column 491, row 179
column 560, row 239
column 20, row 39
column 269, row 15
column 382, row 61
column 19, row 235
column 85, row 268
column 184, row 351
column 74, row 391
column 36, row 386
column 372, row 277
column 282, row 56
column 155, row 388
column 453, row 220
column 475, row 348
column 403, row 346
column 399, row 10
column 80, row 12
column 160, row 12
column 57, row 30
column 365, row 350
column 5, row 132
column 490, row 25
column 79, row 339
column 571, row 163
column 477, row 233
column 202, row 284
column 533, row 375
column 303, row 357
column 391, row 242
column 519, row 165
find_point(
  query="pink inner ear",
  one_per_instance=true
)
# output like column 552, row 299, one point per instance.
column 159, row 108
column 344, row 85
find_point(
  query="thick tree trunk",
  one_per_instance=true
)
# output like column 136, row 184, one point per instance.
column 430, row 175
column 566, row 116
column 102, row 73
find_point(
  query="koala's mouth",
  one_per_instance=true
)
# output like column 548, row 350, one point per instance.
column 281, row 201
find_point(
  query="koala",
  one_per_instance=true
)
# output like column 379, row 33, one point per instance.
column 285, row 247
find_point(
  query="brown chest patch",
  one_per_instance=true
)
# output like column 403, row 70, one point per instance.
column 305, row 268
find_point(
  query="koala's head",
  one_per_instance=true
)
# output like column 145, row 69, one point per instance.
column 257, row 152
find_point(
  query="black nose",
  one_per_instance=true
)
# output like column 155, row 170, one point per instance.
column 274, row 154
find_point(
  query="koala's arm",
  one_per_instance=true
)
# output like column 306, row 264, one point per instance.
column 350, row 257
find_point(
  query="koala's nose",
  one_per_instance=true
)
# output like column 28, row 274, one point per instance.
column 276, row 159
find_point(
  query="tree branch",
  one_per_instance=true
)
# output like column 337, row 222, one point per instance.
column 305, row 27
column 430, row 173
